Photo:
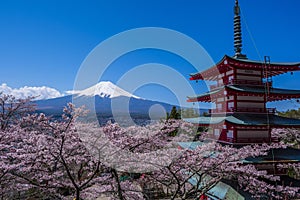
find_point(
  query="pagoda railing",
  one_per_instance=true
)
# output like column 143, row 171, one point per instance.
column 246, row 110
column 242, row 140
column 242, row 82
column 211, row 87
column 255, row 140
column 256, row 110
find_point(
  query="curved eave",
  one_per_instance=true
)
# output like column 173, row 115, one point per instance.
column 207, row 97
column 210, row 73
column 271, row 69
column 248, row 120
column 227, row 63
column 239, row 125
column 201, row 99
column 271, row 161
column 273, row 94
column 270, row 97
column 278, row 97
column 282, row 155
column 252, row 63
column 271, row 120
column 205, row 121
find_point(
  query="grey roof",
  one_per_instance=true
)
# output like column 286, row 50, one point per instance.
column 247, row 120
column 289, row 66
column 249, row 89
column 262, row 62
column 205, row 120
column 260, row 89
column 275, row 155
column 207, row 93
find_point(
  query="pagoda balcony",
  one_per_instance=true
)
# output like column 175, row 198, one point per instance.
column 253, row 140
column 212, row 87
column 244, row 110
column 242, row 82
column 254, row 110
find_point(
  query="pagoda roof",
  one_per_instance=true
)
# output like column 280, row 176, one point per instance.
column 228, row 63
column 247, row 120
column 205, row 120
column 277, row 155
column 207, row 96
column 274, row 94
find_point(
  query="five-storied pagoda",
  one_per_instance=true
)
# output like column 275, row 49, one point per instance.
column 242, row 89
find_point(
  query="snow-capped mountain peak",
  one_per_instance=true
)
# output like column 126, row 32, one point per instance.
column 104, row 89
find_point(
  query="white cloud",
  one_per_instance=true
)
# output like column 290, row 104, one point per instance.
column 42, row 92
column 71, row 92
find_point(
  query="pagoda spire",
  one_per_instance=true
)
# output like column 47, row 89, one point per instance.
column 237, row 32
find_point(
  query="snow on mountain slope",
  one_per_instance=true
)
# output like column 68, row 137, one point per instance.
column 103, row 89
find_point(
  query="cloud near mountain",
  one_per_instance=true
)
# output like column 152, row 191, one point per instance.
column 42, row 92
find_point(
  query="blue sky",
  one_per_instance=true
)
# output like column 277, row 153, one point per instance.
column 43, row 43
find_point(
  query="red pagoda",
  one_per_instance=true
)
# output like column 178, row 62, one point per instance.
column 242, row 89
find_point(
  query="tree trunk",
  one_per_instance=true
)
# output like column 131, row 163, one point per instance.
column 120, row 195
column 77, row 194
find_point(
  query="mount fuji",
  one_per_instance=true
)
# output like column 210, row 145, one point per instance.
column 109, row 101
column 104, row 89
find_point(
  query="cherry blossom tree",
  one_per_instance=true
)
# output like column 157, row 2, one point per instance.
column 291, row 137
column 66, row 158
column 135, row 150
column 208, row 164
column 11, row 112
column 51, row 158
column 48, row 158
column 12, row 109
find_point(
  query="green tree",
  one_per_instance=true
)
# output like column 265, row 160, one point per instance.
column 290, row 113
column 190, row 113
column 174, row 114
